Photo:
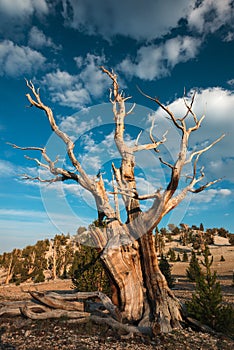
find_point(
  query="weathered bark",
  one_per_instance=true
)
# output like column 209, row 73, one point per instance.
column 164, row 307
column 26, row 311
column 56, row 303
column 121, row 257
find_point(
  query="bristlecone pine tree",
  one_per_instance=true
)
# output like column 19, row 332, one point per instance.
column 128, row 248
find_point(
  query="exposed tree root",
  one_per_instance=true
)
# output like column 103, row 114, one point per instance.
column 57, row 313
column 71, row 306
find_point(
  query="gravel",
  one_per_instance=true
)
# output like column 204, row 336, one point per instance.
column 24, row 334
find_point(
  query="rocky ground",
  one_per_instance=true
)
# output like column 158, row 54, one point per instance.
column 25, row 334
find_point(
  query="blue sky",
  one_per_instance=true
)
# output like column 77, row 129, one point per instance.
column 161, row 46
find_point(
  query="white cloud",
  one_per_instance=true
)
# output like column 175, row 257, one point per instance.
column 136, row 19
column 66, row 89
column 74, row 127
column 37, row 39
column 225, row 192
column 91, row 162
column 76, row 91
column 217, row 105
column 22, row 9
column 14, row 15
column 10, row 169
column 59, row 79
column 6, row 168
column 144, row 186
column 76, row 98
column 18, row 60
column 145, row 20
column 229, row 37
column 230, row 82
column 210, row 15
column 155, row 61
column 211, row 195
column 91, row 75
column 23, row 213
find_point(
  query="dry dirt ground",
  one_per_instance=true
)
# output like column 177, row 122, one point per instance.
column 24, row 334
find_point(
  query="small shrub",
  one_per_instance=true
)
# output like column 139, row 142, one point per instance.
column 185, row 257
column 178, row 258
column 193, row 272
column 40, row 277
column 206, row 304
column 222, row 258
column 171, row 255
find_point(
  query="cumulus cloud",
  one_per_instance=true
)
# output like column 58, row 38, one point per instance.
column 145, row 20
column 76, row 127
column 136, row 19
column 210, row 15
column 38, row 40
column 155, row 61
column 91, row 75
column 66, row 89
column 22, row 9
column 217, row 105
column 19, row 60
column 15, row 14
column 211, row 195
column 76, row 91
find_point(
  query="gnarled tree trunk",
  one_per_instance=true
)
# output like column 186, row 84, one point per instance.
column 128, row 249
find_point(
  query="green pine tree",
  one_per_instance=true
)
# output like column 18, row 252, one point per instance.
column 185, row 256
column 193, row 272
column 171, row 254
column 206, row 304
column 87, row 271
column 166, row 270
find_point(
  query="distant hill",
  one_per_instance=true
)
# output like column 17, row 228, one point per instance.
column 63, row 257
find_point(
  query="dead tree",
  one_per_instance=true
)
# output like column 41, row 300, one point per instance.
column 128, row 248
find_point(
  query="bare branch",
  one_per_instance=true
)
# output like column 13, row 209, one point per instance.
column 135, row 195
column 66, row 174
column 189, row 108
column 148, row 146
column 115, row 198
column 166, row 163
column 38, row 178
column 152, row 145
column 166, row 109
column 25, row 148
column 114, row 80
column 38, row 162
column 153, row 139
column 157, row 194
column 198, row 153
column 197, row 125
column 138, row 137
column 203, row 187
column 131, row 109
column 89, row 184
